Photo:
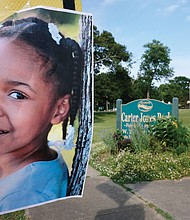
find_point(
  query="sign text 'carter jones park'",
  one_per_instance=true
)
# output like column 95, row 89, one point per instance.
column 142, row 111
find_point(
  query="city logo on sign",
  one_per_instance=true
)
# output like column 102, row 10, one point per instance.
column 145, row 105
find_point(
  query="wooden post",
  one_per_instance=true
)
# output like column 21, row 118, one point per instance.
column 175, row 109
column 118, row 114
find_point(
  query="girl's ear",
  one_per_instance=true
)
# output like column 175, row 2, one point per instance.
column 61, row 110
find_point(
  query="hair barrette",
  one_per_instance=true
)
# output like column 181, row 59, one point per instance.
column 54, row 32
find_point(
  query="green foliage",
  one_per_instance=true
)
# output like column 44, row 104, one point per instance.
column 139, row 88
column 177, row 87
column 110, row 86
column 126, row 167
column 115, row 82
column 146, row 157
column 110, row 141
column 115, row 141
column 155, row 63
column 140, row 139
column 167, row 134
column 19, row 215
column 168, row 91
column 109, row 53
column 171, row 134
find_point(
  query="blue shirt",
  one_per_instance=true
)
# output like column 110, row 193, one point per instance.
column 35, row 183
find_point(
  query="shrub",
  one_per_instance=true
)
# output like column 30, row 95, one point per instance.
column 140, row 139
column 120, row 142
column 171, row 134
column 167, row 134
column 115, row 141
column 111, row 141
column 159, row 152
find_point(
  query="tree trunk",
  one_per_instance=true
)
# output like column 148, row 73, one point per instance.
column 148, row 94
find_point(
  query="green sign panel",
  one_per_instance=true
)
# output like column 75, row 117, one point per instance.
column 142, row 111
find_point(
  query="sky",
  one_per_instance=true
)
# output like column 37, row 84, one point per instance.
column 134, row 23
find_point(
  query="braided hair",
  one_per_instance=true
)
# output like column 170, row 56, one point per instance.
column 62, row 59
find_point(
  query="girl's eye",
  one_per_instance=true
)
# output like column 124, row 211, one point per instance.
column 17, row 95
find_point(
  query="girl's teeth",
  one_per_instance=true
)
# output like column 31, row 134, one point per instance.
column 3, row 132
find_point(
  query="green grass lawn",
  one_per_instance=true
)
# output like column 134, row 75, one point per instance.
column 184, row 115
column 103, row 121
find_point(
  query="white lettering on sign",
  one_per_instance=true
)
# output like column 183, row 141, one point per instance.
column 142, row 118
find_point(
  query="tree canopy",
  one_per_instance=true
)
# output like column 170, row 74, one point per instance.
column 113, row 63
column 155, row 63
column 108, row 53
column 112, row 70
column 177, row 87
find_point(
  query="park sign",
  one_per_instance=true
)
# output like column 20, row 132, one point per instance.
column 142, row 111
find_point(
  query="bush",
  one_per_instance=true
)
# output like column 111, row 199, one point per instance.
column 120, row 142
column 167, row 134
column 115, row 141
column 171, row 134
column 140, row 139
column 159, row 152
column 107, row 137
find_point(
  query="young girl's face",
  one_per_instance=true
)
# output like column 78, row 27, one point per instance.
column 25, row 112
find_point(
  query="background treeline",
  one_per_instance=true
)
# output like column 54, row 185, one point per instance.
column 113, row 64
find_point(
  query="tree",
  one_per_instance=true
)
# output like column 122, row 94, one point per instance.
column 111, row 86
column 108, row 53
column 169, row 91
column 177, row 87
column 112, row 63
column 140, row 91
column 182, row 81
column 123, row 85
column 102, row 90
column 155, row 64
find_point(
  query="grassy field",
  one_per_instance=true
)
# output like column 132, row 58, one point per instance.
column 107, row 121
column 184, row 115
column 103, row 121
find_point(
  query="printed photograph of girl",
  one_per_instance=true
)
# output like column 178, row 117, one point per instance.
column 45, row 84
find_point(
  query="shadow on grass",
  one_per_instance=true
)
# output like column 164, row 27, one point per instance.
column 100, row 117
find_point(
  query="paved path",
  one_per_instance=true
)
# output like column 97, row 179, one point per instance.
column 102, row 200
column 172, row 196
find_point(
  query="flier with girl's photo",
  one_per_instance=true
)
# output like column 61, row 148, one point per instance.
column 46, row 103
